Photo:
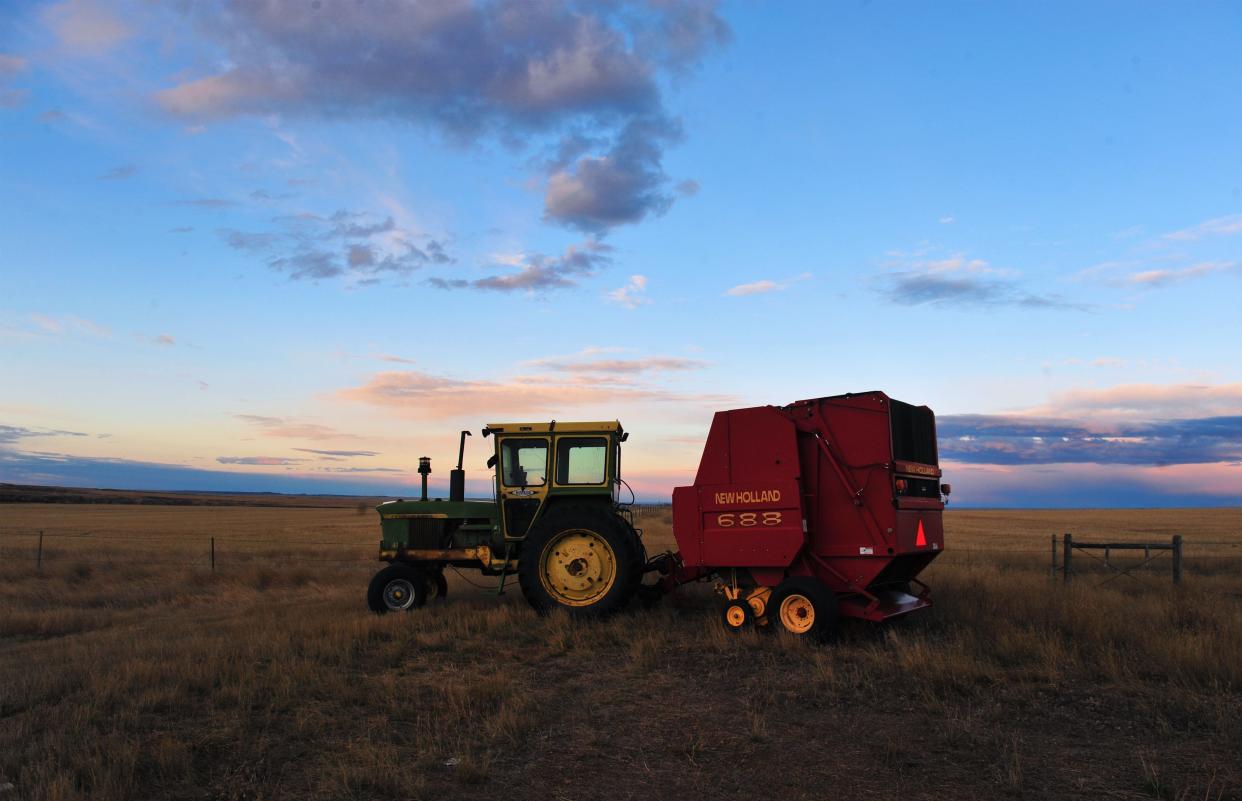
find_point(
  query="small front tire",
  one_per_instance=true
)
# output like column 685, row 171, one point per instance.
column 397, row 588
column 737, row 616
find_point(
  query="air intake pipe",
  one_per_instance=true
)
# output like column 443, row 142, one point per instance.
column 457, row 476
column 424, row 470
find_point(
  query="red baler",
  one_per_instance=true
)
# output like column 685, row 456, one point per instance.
column 823, row 508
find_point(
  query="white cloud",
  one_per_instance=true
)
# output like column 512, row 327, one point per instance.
column 67, row 324
column 1228, row 225
column 763, row 286
column 947, row 220
column 754, row 288
column 633, row 294
column 1165, row 277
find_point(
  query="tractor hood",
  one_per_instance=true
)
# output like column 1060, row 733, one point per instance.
column 479, row 510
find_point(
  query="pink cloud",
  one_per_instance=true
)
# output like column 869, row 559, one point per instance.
column 1145, row 402
column 86, row 26
column 424, row 395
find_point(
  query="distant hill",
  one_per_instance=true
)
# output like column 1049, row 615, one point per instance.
column 22, row 493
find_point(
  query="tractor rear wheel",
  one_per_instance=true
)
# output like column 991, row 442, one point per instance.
column 804, row 607
column 399, row 587
column 582, row 559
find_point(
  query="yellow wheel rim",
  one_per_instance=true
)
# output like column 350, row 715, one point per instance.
column 433, row 589
column 758, row 603
column 735, row 616
column 577, row 567
column 797, row 614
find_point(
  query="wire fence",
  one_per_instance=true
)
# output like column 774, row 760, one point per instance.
column 110, row 547
column 40, row 548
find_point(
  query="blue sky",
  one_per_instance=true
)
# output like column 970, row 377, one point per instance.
column 294, row 245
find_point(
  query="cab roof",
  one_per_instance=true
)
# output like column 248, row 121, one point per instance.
column 606, row 427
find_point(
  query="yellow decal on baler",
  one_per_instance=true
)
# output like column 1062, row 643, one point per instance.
column 749, row 496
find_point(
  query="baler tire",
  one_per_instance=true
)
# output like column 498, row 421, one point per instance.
column 737, row 616
column 437, row 586
column 594, row 523
column 804, row 595
column 398, row 577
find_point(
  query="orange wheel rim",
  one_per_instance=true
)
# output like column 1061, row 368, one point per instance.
column 735, row 616
column 797, row 614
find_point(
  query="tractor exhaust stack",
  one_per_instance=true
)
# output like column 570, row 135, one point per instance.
column 457, row 476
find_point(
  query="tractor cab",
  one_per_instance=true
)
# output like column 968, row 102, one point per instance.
column 541, row 465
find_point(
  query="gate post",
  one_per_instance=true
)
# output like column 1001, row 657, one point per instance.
column 1067, row 548
column 1177, row 558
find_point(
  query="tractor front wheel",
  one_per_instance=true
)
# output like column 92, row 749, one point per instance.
column 437, row 587
column 804, row 607
column 397, row 588
column 582, row 559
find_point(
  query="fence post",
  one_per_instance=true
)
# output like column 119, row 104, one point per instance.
column 1052, row 569
column 1067, row 548
column 1177, row 558
column 213, row 554
column 39, row 558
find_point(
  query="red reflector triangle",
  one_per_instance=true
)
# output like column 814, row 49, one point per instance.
column 921, row 540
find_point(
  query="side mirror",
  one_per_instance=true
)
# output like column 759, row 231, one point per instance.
column 491, row 461
column 945, row 489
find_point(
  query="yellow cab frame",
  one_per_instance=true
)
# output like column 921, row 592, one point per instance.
column 533, row 463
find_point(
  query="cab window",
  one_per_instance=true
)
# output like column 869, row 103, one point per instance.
column 581, row 460
column 524, row 462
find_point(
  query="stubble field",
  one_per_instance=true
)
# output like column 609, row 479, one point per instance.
column 129, row 669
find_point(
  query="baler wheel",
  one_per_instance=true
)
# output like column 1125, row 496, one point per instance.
column 437, row 586
column 738, row 616
column 581, row 559
column 805, row 608
column 397, row 588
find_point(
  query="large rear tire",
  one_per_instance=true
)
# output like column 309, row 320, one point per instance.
column 397, row 588
column 806, row 608
column 582, row 559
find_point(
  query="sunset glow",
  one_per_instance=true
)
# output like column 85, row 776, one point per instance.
column 238, row 256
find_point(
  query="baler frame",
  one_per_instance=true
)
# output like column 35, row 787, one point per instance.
column 877, row 581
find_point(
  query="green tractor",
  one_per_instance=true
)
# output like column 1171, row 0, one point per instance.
column 555, row 522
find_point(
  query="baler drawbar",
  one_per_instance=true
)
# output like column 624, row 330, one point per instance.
column 803, row 514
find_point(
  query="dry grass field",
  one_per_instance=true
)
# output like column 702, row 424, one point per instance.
column 130, row 670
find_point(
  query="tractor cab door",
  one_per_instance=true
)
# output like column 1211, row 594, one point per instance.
column 522, row 481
